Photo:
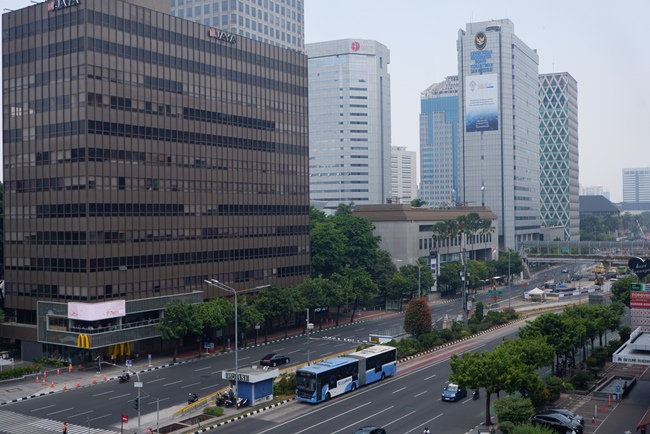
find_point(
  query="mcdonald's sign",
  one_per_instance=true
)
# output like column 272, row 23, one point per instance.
column 83, row 341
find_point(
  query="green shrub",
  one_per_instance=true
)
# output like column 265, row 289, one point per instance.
column 554, row 386
column 506, row 427
column 213, row 411
column 286, row 385
column 581, row 380
column 50, row 362
column 531, row 429
column 20, row 371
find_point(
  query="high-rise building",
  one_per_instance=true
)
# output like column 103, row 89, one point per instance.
column 594, row 190
column 404, row 175
column 560, row 190
column 349, row 122
column 439, row 162
column 636, row 185
column 276, row 22
column 499, row 134
column 143, row 154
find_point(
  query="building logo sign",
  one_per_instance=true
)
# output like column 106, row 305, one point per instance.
column 640, row 267
column 222, row 36
column 55, row 5
column 480, row 41
column 355, row 46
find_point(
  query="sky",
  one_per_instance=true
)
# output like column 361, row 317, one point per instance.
column 600, row 44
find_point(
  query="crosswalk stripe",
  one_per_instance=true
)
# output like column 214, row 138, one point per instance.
column 16, row 423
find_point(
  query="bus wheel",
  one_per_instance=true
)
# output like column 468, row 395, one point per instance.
column 383, row 375
column 327, row 396
column 353, row 387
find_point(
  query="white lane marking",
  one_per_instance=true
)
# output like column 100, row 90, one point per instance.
column 80, row 414
column 429, row 378
column 190, row 385
column 153, row 402
column 202, row 369
column 175, row 382
column 60, row 411
column 103, row 393
column 157, row 379
column 121, row 396
column 422, row 393
column 399, row 390
column 42, row 408
column 311, row 413
column 362, row 420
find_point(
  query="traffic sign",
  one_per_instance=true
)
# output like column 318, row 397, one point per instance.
column 125, row 418
column 137, row 384
column 495, row 298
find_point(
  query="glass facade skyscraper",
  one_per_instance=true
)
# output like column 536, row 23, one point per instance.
column 349, row 122
column 277, row 22
column 499, row 132
column 439, row 162
column 560, row 189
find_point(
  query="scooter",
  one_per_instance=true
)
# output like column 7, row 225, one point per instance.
column 475, row 395
column 124, row 377
column 192, row 399
column 242, row 402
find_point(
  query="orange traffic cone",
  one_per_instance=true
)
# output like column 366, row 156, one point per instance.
column 52, row 385
column 57, row 371
column 44, row 383
column 79, row 383
column 104, row 377
column 37, row 380
column 609, row 400
column 603, row 411
column 94, row 380
column 44, row 374
column 70, row 367
column 65, row 387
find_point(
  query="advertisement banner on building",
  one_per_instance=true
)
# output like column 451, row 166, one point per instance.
column 96, row 311
column 481, row 103
column 433, row 261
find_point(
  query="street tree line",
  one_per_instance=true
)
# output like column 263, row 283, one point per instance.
column 556, row 340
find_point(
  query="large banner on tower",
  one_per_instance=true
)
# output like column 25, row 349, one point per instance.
column 481, row 103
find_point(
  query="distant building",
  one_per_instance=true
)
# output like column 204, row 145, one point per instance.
column 403, row 174
column 276, row 22
column 636, row 189
column 596, row 206
column 558, row 94
column 594, row 190
column 499, row 128
column 349, row 122
column 439, row 158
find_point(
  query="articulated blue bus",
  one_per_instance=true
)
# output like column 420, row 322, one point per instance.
column 338, row 375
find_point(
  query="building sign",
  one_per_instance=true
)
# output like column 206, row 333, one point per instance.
column 241, row 377
column 55, row 5
column 639, row 300
column 481, row 103
column 480, row 62
column 639, row 266
column 355, row 46
column 640, row 287
column 433, row 261
column 222, row 36
column 96, row 311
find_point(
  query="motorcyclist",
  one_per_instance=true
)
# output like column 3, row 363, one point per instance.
column 426, row 430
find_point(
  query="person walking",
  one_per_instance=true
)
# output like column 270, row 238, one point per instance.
column 149, row 430
column 65, row 428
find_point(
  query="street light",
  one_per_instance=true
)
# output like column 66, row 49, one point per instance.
column 224, row 287
column 417, row 264
column 509, row 278
column 482, row 195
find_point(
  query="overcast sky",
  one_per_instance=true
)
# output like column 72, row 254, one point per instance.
column 601, row 44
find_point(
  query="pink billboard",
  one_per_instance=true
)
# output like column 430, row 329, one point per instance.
column 96, row 311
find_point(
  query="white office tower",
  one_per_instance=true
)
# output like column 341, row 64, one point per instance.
column 560, row 188
column 499, row 134
column 636, row 185
column 349, row 122
column 439, row 163
column 276, row 22
column 404, row 175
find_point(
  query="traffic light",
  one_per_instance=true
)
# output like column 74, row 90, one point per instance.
column 136, row 403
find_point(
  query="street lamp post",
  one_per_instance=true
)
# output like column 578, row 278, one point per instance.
column 224, row 287
column 509, row 278
column 482, row 195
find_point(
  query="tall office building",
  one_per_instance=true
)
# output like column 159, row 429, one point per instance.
column 143, row 154
column 277, row 22
column 499, row 134
column 636, row 185
column 439, row 162
column 560, row 189
column 349, row 122
column 404, row 175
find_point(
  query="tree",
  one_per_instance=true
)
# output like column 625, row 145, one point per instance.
column 513, row 409
column 214, row 314
column 179, row 320
column 315, row 293
column 417, row 319
column 328, row 249
column 479, row 312
column 381, row 273
column 362, row 287
column 340, row 293
column 418, row 203
column 398, row 288
column 278, row 302
column 361, row 245
column 621, row 289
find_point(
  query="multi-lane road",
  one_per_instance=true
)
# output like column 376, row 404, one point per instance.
column 100, row 407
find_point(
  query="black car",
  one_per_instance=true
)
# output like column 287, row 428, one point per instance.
column 568, row 413
column 274, row 360
column 370, row 430
column 557, row 422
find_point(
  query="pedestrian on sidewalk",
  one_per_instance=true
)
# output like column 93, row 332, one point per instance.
column 65, row 428
column 149, row 430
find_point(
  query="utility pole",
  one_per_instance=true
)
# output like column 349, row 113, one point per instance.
column 309, row 327
column 509, row 278
column 464, row 279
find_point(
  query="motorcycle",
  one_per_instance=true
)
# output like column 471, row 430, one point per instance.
column 475, row 395
column 242, row 402
column 192, row 399
column 124, row 377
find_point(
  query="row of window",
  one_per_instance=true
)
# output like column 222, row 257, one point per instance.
column 77, row 238
column 123, row 263
column 45, row 78
column 44, row 52
column 92, row 182
column 75, row 210
column 144, row 132
column 430, row 243
column 76, row 17
column 104, row 155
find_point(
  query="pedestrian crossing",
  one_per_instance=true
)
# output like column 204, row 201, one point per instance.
column 16, row 423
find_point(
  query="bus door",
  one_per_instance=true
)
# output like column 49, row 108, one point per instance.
column 362, row 372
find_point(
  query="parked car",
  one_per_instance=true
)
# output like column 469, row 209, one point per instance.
column 564, row 270
column 274, row 360
column 568, row 413
column 557, row 422
column 453, row 392
column 370, row 430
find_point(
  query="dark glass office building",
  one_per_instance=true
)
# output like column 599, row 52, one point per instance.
column 143, row 154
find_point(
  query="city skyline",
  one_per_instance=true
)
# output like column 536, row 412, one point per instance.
column 423, row 52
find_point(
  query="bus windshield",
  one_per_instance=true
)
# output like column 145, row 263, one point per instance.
column 306, row 381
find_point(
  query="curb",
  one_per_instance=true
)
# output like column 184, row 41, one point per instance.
column 243, row 416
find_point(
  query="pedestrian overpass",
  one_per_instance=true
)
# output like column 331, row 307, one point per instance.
column 617, row 252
